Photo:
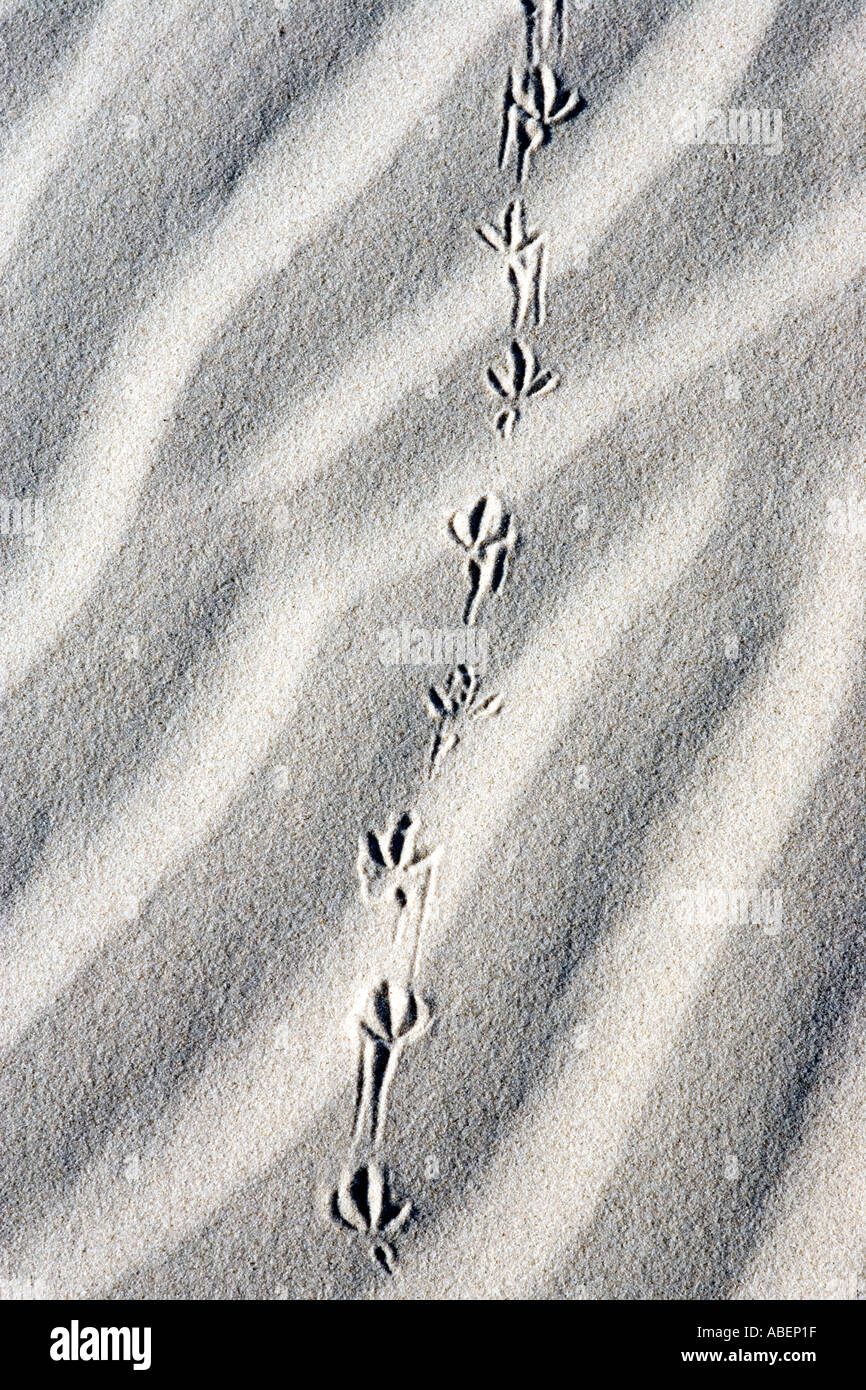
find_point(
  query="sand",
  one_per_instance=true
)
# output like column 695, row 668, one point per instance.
column 295, row 360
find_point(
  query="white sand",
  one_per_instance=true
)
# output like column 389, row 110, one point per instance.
column 248, row 323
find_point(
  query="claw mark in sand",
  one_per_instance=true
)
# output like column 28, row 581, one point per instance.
column 535, row 101
column 451, row 705
column 393, row 877
column 519, row 382
column 397, row 882
column 393, row 1016
column 546, row 27
column 488, row 534
column 362, row 1203
column 524, row 253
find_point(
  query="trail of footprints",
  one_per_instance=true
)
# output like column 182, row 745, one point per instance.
column 398, row 878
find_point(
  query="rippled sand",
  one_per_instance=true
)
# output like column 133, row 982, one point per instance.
column 246, row 325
